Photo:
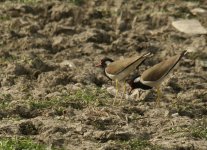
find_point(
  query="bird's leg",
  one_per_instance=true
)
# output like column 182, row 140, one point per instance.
column 159, row 94
column 117, row 89
column 124, row 88
column 138, row 94
column 174, row 105
column 124, row 92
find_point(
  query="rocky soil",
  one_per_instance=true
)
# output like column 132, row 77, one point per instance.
column 52, row 93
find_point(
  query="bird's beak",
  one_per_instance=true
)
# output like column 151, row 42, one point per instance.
column 98, row 65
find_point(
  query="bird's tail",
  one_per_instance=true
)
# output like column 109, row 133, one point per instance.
column 148, row 54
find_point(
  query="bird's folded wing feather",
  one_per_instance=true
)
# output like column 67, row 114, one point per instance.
column 158, row 71
column 119, row 65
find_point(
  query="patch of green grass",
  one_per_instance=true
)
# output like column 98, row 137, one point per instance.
column 176, row 130
column 7, row 59
column 20, row 144
column 90, row 95
column 5, row 101
column 5, row 17
column 140, row 144
column 153, row 0
column 198, row 130
column 85, row 96
column 77, row 2
column 201, row 1
column 41, row 104
column 27, row 1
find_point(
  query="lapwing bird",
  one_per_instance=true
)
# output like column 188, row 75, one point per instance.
column 154, row 76
column 119, row 70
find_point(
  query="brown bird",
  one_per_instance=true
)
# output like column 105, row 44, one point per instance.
column 120, row 69
column 154, row 76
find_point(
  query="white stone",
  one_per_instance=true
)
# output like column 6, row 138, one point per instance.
column 198, row 11
column 67, row 63
column 111, row 90
column 175, row 115
column 203, row 63
column 189, row 26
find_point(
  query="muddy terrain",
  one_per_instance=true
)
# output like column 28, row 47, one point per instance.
column 53, row 97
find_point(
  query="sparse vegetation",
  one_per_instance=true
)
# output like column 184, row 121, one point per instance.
column 77, row 2
column 90, row 95
column 198, row 130
column 27, row 1
column 140, row 144
column 4, row 17
column 194, row 1
column 20, row 144
column 86, row 96
column 5, row 101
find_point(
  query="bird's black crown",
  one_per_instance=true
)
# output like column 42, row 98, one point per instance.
column 104, row 62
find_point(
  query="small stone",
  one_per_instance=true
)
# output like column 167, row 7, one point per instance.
column 111, row 90
column 100, row 135
column 67, row 63
column 198, row 11
column 76, row 87
column 64, row 30
column 203, row 63
column 79, row 128
column 87, row 134
column 133, row 109
column 175, row 115
column 58, row 142
column 53, row 94
column 57, row 40
column 157, row 112
column 189, row 26
column 120, row 135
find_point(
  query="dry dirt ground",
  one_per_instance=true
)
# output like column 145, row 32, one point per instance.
column 52, row 94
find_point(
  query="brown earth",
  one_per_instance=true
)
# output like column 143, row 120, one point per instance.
column 51, row 91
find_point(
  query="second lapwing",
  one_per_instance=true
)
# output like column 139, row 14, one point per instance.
column 154, row 76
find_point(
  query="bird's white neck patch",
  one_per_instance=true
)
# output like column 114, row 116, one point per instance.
column 108, row 62
column 137, row 80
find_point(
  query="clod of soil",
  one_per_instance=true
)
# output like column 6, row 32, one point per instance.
column 28, row 128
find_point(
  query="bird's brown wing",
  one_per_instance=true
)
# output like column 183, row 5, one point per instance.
column 159, row 70
column 119, row 65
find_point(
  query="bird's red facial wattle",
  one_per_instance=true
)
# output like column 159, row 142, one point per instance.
column 98, row 65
